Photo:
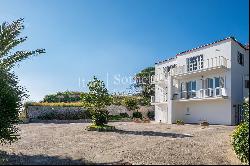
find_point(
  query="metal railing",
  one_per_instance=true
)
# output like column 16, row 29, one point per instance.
column 219, row 61
column 201, row 94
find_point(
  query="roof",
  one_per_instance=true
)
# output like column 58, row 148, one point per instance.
column 246, row 47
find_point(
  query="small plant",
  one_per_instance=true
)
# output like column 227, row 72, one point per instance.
column 179, row 122
column 137, row 115
column 151, row 115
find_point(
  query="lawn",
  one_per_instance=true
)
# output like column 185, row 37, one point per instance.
column 132, row 143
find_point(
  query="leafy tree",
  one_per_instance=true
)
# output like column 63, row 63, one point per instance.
column 240, row 137
column 9, row 39
column 96, row 101
column 143, row 82
column 10, row 102
column 11, row 94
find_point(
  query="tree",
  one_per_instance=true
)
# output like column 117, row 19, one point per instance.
column 143, row 82
column 96, row 101
column 11, row 94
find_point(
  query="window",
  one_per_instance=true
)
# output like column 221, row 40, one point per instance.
column 240, row 58
column 217, row 85
column 191, row 88
column 195, row 63
column 209, row 85
column 246, row 83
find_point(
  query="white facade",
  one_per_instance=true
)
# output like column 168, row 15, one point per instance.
column 205, row 83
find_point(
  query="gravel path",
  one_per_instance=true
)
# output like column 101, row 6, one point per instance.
column 133, row 144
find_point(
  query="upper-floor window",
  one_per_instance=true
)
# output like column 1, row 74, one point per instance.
column 240, row 58
column 195, row 63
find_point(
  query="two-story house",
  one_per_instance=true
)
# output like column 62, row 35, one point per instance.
column 207, row 83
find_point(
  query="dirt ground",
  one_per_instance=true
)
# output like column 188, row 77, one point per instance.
column 133, row 143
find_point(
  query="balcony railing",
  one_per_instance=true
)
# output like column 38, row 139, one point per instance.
column 159, row 78
column 201, row 94
column 219, row 61
column 161, row 99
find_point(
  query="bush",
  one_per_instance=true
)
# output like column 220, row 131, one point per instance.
column 118, row 117
column 240, row 142
column 137, row 115
column 114, row 117
column 240, row 137
column 124, row 115
column 66, row 97
column 179, row 122
column 151, row 115
column 131, row 103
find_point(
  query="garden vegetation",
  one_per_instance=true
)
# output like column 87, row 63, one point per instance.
column 11, row 94
column 240, row 137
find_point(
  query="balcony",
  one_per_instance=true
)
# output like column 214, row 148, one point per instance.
column 209, row 65
column 202, row 94
column 161, row 100
column 159, row 78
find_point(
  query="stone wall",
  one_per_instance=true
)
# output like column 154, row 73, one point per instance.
column 35, row 111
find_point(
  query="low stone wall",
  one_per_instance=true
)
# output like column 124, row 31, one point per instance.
column 36, row 111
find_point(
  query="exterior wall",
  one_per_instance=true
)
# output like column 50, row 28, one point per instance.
column 239, row 73
column 213, row 111
column 161, row 113
column 212, row 51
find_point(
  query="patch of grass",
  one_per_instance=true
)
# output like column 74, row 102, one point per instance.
column 103, row 128
column 179, row 122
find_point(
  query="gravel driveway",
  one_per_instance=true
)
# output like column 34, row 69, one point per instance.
column 134, row 143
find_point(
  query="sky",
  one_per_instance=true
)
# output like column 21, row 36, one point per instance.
column 114, row 39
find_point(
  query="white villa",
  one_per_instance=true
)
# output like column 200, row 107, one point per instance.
column 207, row 83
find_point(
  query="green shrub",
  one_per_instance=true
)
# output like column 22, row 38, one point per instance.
column 151, row 115
column 240, row 137
column 240, row 142
column 124, row 115
column 115, row 117
column 179, row 122
column 137, row 115
column 131, row 103
column 66, row 97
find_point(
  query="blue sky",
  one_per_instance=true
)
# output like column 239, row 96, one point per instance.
column 114, row 39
